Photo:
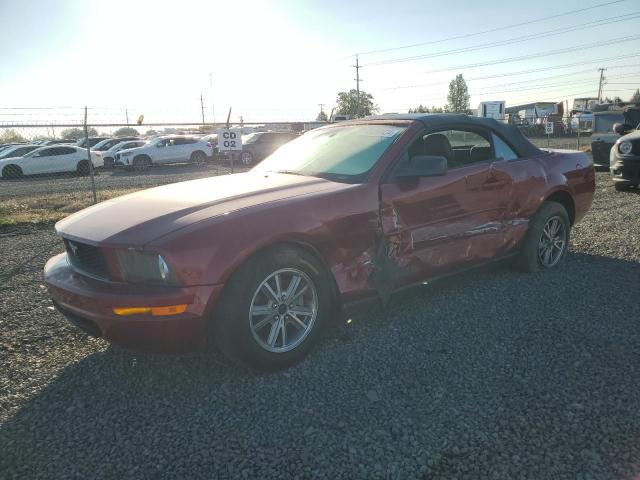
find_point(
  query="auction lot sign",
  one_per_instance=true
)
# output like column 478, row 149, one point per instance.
column 229, row 139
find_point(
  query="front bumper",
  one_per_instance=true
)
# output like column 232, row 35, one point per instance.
column 88, row 303
column 625, row 169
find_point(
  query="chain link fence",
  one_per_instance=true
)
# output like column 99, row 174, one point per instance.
column 51, row 171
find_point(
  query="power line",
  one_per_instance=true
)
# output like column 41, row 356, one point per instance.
column 543, row 79
column 500, row 43
column 540, row 55
column 534, row 70
column 506, row 27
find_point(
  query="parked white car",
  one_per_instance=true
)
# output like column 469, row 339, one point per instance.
column 109, row 156
column 167, row 149
column 17, row 151
column 54, row 159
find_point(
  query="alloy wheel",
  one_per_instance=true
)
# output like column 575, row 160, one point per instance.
column 283, row 310
column 553, row 242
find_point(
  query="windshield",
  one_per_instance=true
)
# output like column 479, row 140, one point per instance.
column 16, row 151
column 604, row 123
column 339, row 153
column 251, row 138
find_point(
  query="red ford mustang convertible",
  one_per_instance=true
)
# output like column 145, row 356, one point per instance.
column 259, row 262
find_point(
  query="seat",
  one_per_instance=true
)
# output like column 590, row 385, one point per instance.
column 438, row 144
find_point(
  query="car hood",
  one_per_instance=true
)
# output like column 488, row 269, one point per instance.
column 141, row 217
column 635, row 135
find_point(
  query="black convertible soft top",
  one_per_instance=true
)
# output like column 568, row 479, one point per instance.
column 511, row 133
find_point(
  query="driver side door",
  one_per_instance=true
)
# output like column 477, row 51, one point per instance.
column 437, row 224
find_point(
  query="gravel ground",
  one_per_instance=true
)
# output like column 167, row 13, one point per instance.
column 493, row 374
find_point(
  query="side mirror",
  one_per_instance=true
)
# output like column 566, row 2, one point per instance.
column 423, row 166
column 621, row 128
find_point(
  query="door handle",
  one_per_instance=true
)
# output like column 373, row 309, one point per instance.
column 493, row 182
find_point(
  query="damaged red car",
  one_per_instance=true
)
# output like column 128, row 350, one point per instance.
column 258, row 263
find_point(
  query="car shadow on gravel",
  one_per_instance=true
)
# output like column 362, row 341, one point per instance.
column 492, row 371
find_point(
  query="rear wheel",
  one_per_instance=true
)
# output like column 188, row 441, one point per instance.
column 547, row 239
column 12, row 172
column 141, row 163
column 83, row 168
column 273, row 310
column 198, row 158
column 246, row 158
column 622, row 187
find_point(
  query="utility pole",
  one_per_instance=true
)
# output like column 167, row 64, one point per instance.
column 213, row 108
column 357, row 79
column 601, row 84
column 126, row 114
column 202, row 107
column 320, row 105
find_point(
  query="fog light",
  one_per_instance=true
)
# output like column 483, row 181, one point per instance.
column 155, row 311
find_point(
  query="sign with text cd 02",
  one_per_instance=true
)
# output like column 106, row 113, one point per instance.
column 229, row 139
column 548, row 128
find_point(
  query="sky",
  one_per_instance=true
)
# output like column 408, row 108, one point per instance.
column 278, row 60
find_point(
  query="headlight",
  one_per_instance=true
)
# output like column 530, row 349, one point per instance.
column 145, row 267
column 163, row 268
column 625, row 147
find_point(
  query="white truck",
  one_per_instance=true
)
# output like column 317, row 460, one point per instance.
column 493, row 109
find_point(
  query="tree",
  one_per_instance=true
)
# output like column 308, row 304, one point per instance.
column 11, row 136
column 126, row 131
column 458, row 96
column 322, row 117
column 422, row 109
column 77, row 133
column 635, row 98
column 348, row 104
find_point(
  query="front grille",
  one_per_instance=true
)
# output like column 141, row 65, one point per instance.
column 86, row 258
column 635, row 149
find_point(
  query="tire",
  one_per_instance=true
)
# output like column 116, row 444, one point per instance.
column 109, row 162
column 12, row 172
column 247, row 159
column 83, row 168
column 141, row 163
column 198, row 158
column 533, row 256
column 621, row 187
column 255, row 339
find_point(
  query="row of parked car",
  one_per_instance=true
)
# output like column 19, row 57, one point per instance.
column 59, row 156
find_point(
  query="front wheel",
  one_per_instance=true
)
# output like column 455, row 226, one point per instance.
column 141, row 163
column 12, row 172
column 273, row 310
column 547, row 239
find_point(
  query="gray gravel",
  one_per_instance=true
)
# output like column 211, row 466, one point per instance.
column 494, row 374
